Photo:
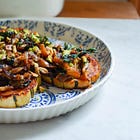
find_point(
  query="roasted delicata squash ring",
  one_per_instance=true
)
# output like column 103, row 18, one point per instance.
column 27, row 59
column 18, row 97
column 89, row 75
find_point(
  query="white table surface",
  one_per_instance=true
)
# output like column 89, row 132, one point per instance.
column 114, row 114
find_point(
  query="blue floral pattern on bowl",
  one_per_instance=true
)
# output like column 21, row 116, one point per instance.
column 48, row 97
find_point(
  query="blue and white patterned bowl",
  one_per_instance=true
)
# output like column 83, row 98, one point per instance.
column 57, row 101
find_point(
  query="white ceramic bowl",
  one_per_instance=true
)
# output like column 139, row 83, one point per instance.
column 30, row 8
column 58, row 101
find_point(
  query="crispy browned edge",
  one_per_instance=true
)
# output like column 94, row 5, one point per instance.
column 18, row 97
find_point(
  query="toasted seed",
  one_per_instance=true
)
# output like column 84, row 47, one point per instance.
column 34, row 74
column 43, row 70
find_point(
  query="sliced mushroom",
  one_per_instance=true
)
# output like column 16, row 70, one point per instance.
column 17, row 70
column 43, row 63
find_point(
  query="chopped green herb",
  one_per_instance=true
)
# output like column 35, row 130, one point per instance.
column 68, row 46
column 66, row 58
column 91, row 50
column 74, row 55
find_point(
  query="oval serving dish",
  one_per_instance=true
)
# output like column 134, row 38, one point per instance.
column 56, row 101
